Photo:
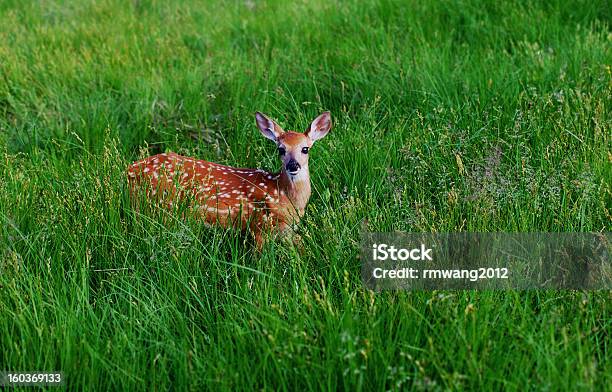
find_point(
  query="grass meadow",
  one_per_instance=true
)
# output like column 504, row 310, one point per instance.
column 448, row 116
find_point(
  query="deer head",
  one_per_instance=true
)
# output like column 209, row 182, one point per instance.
column 293, row 147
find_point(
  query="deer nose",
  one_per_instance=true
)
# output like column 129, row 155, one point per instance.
column 293, row 166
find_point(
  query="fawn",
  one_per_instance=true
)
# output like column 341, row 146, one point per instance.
column 251, row 199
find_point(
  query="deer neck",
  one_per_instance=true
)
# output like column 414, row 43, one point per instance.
column 296, row 189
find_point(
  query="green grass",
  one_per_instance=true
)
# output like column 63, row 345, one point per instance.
column 448, row 116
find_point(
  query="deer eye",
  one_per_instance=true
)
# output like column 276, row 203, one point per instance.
column 305, row 150
column 281, row 151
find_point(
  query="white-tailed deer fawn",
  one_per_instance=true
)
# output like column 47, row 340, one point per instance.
column 247, row 198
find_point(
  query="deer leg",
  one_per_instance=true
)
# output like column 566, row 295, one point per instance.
column 259, row 241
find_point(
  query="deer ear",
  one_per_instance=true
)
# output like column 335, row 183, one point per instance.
column 267, row 127
column 319, row 127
